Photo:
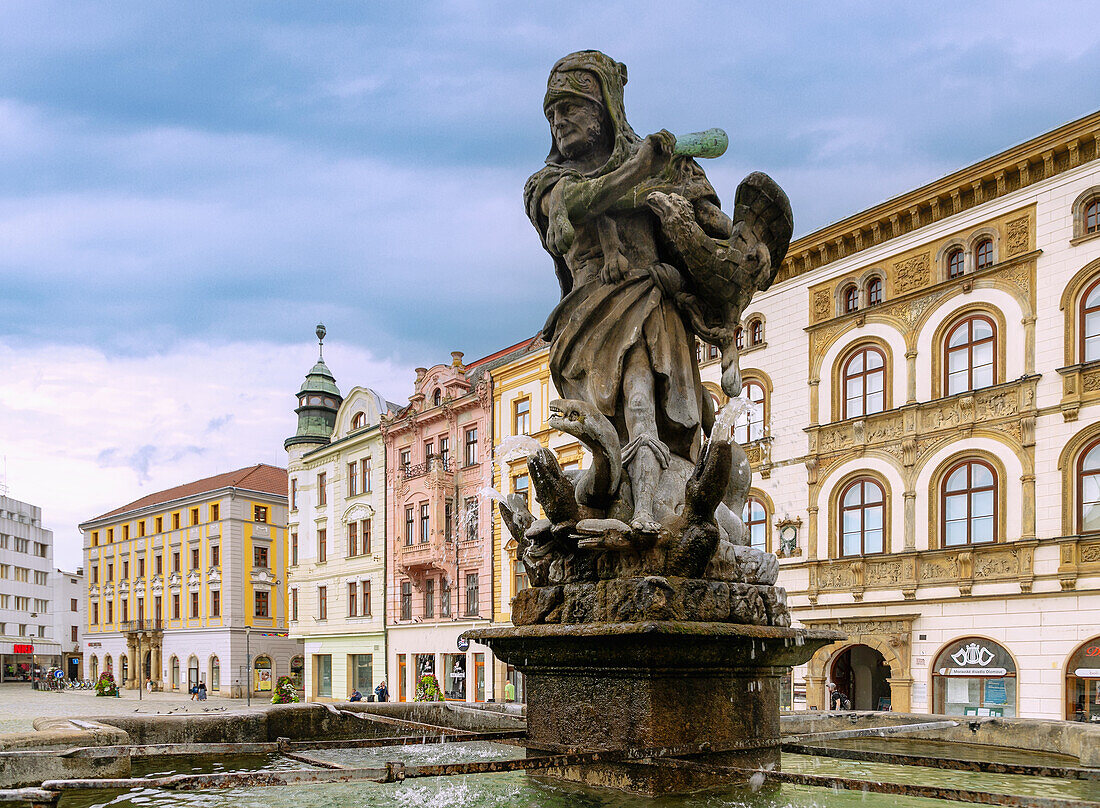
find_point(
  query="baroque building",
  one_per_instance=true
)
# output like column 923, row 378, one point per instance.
column 926, row 446
column 337, row 527
column 189, row 584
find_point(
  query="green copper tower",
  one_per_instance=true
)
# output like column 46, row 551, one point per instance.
column 318, row 400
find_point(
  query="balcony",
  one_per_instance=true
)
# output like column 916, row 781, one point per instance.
column 437, row 464
column 420, row 557
column 145, row 624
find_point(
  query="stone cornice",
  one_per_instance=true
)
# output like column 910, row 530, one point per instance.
column 1036, row 160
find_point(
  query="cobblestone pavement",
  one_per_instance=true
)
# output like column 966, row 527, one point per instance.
column 20, row 705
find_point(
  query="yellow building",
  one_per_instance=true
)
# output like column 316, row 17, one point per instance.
column 192, row 581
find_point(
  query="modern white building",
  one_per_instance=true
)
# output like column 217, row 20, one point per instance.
column 927, row 453
column 67, row 600
column 27, row 638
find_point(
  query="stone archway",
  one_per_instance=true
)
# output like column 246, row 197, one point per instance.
column 890, row 636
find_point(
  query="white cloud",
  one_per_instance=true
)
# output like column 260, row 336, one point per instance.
column 83, row 432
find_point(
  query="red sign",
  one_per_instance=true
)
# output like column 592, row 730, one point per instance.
column 24, row 649
column 1093, row 650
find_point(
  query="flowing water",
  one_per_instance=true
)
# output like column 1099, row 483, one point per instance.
column 518, row 790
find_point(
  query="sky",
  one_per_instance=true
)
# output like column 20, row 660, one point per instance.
column 187, row 188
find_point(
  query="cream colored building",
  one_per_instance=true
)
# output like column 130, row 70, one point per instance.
column 927, row 460
column 337, row 529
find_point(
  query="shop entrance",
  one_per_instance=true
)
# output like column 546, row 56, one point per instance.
column 1083, row 683
column 862, row 674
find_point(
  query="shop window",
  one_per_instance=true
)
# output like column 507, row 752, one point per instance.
column 454, row 677
column 1083, row 683
column 968, row 503
column 750, row 426
column 755, row 517
column 983, row 254
column 956, row 260
column 970, row 351
column 863, row 383
column 322, row 670
column 297, row 671
column 1090, row 323
column 974, row 676
column 1088, row 490
column 862, row 518
column 362, row 672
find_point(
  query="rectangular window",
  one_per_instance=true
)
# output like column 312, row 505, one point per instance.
column 445, row 450
column 40, row 577
column 110, row 535
column 215, row 556
column 429, row 598
column 322, row 545
column 22, row 603
column 215, row 512
column 160, row 524
column 5, row 570
column 176, row 561
column 110, row 612
column 406, row 460
column 353, row 478
column 519, row 577
column 470, row 517
column 293, row 494
column 406, row 601
column 259, row 557
column 365, row 531
column 125, row 610
column 194, row 516
column 159, row 564
column 294, row 549
column 141, row 528
column 157, row 604
column 521, row 417
column 74, row 606
column 175, row 607
column 95, row 573
column 322, row 496
column 175, row 521
column 194, row 604
column 194, row 558
column 294, row 604
column 353, row 599
column 322, row 603
column 110, row 572
column 429, row 450
column 425, row 523
column 364, row 466
column 365, row 589
column 125, row 532
column 141, row 568
column 125, row 571
column 471, row 446
column 261, row 604
column 410, row 526
column 445, row 599
column 95, row 614
column 259, row 513
column 520, row 485
column 215, row 603
column 448, row 520
column 472, row 599
column 95, row 538
column 353, row 538
column 323, row 668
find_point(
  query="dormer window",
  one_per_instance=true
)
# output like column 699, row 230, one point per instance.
column 437, row 397
column 359, row 420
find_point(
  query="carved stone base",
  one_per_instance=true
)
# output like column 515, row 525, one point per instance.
column 653, row 597
column 654, row 685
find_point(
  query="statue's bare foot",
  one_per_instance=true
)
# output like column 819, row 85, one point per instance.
column 644, row 523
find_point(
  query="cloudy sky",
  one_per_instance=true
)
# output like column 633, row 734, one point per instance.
column 187, row 188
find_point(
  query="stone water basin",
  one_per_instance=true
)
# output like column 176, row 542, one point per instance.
column 525, row 791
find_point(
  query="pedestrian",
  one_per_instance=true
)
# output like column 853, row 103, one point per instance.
column 509, row 691
column 355, row 695
column 837, row 699
column 381, row 692
column 194, row 691
column 200, row 691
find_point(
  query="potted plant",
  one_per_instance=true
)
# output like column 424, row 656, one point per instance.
column 106, row 685
column 285, row 691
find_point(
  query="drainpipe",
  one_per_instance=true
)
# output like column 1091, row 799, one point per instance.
column 248, row 665
column 385, row 561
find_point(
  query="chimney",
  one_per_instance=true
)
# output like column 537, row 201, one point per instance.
column 456, row 360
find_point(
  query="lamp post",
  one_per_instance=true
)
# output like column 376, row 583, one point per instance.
column 137, row 640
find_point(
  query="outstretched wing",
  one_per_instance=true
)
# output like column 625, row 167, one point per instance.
column 763, row 211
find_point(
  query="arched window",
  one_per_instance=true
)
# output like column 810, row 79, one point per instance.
column 175, row 666
column 863, row 382
column 1090, row 323
column 974, row 676
column 739, row 337
column 874, row 292
column 437, row 397
column 756, row 332
column 713, row 352
column 969, row 504
column 1088, row 490
column 215, row 675
column 750, row 426
column 95, row 668
column 862, row 518
column 123, row 670
column 755, row 517
column 955, row 260
column 851, row 299
column 1092, row 216
column 359, row 420
column 1083, row 682
column 969, row 355
column 983, row 253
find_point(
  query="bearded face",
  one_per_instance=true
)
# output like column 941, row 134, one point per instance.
column 579, row 126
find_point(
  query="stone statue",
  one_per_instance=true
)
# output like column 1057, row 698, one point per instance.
column 648, row 262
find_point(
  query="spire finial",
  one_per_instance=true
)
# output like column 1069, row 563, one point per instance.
column 321, row 341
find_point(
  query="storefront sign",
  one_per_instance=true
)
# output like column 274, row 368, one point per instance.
column 1087, row 673
column 973, row 655
column 23, row 649
column 463, row 643
column 972, row 671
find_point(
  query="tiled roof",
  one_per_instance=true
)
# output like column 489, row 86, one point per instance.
column 260, row 477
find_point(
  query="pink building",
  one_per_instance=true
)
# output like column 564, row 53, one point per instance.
column 439, row 548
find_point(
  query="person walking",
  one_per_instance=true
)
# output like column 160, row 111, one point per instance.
column 509, row 692
column 201, row 691
column 382, row 693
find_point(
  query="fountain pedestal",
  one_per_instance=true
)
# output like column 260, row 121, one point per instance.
column 654, row 684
